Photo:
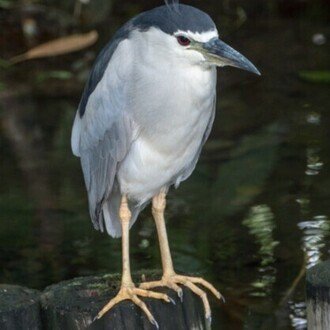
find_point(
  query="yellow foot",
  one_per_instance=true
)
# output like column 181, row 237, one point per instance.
column 132, row 293
column 172, row 282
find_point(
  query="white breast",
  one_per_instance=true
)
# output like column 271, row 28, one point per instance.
column 172, row 106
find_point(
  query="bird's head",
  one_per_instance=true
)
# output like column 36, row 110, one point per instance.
column 210, row 50
column 190, row 35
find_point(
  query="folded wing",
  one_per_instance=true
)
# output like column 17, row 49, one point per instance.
column 103, row 131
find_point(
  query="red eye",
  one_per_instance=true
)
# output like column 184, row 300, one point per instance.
column 183, row 41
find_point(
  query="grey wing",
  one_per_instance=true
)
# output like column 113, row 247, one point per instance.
column 99, row 164
column 187, row 171
column 102, row 135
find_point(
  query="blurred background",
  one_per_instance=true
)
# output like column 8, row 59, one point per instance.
column 255, row 213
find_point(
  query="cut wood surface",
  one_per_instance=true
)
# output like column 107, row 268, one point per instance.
column 74, row 304
column 19, row 308
column 318, row 296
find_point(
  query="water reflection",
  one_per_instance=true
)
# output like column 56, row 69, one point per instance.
column 298, row 315
column 260, row 222
column 314, row 164
column 313, row 118
column 315, row 233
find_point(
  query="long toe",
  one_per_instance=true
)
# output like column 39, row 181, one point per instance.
column 201, row 281
column 129, row 293
column 190, row 282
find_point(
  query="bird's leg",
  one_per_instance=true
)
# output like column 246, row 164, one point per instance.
column 128, row 289
column 170, row 278
column 158, row 209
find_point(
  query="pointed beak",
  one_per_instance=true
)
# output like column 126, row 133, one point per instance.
column 219, row 53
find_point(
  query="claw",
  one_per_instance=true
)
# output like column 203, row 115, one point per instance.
column 208, row 322
column 154, row 322
column 180, row 294
column 172, row 301
column 172, row 282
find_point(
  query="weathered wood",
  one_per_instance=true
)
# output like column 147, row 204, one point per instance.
column 318, row 296
column 19, row 308
column 73, row 305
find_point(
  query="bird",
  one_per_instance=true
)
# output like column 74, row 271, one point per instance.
column 145, row 113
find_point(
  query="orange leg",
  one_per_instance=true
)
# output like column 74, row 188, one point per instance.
column 128, row 289
column 170, row 278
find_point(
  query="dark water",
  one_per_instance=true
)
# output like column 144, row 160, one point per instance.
column 252, row 217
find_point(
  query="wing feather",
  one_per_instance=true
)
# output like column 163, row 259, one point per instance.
column 102, row 135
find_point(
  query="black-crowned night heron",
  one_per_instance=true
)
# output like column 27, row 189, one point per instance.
column 145, row 114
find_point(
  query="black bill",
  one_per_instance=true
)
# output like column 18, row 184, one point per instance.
column 221, row 54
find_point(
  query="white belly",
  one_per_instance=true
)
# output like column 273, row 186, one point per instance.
column 172, row 116
column 154, row 161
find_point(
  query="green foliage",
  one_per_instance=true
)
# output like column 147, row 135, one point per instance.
column 320, row 77
column 2, row 86
column 3, row 63
column 59, row 74
column 6, row 4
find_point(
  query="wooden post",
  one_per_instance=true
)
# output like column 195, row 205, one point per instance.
column 318, row 296
column 19, row 308
column 73, row 305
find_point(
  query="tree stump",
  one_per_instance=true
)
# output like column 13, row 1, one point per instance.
column 73, row 305
column 318, row 296
column 19, row 308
